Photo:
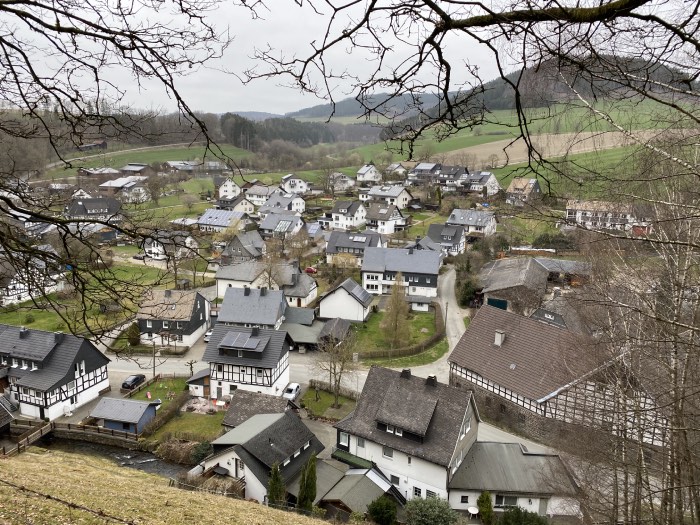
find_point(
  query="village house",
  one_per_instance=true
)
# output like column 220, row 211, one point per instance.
column 213, row 220
column 254, row 359
column 482, row 183
column 103, row 209
column 345, row 215
column 397, row 195
column 419, row 268
column 130, row 189
column 168, row 317
column 385, row 219
column 124, row 415
column 98, row 172
column 476, row 223
column 346, row 248
column 259, row 193
column 164, row 245
column 245, row 246
column 340, row 182
column 49, row 374
column 348, row 301
column 423, row 173
column 252, row 307
column 288, row 204
column 227, row 188
column 451, row 239
column 280, row 225
column 238, row 204
column 395, row 170
column 294, row 184
column 245, row 404
column 601, row 215
column 248, row 452
column 522, row 191
column 417, row 431
column 536, row 378
column 368, row 174
column 137, row 168
column 29, row 277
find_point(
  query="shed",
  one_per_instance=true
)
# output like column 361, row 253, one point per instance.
column 124, row 414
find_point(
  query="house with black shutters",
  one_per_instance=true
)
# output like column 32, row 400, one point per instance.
column 173, row 317
column 255, row 359
column 49, row 374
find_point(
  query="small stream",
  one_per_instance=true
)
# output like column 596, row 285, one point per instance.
column 143, row 461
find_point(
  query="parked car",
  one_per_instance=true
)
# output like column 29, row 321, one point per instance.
column 311, row 269
column 207, row 336
column 132, row 382
column 140, row 256
column 292, row 391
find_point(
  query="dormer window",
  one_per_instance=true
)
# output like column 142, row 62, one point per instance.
column 24, row 364
column 34, row 367
column 15, row 363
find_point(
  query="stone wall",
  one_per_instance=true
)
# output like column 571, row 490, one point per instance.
column 102, row 439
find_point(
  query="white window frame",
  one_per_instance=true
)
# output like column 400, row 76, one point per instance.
column 387, row 452
column 344, row 439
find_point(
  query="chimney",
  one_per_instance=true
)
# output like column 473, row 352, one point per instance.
column 246, row 291
column 168, row 293
column 255, row 331
column 58, row 337
column 406, row 373
column 431, row 381
column 499, row 338
column 263, row 291
column 23, row 332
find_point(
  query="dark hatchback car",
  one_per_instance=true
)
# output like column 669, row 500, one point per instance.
column 132, row 382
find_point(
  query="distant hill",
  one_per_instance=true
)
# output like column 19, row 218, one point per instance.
column 350, row 107
column 256, row 115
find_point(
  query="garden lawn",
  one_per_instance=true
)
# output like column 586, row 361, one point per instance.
column 424, row 358
column 160, row 389
column 370, row 335
column 323, row 407
column 192, row 426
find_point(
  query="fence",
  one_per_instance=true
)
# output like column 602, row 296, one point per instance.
column 418, row 347
column 326, row 386
column 26, row 439
column 91, row 429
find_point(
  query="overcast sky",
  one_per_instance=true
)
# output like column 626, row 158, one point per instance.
column 288, row 28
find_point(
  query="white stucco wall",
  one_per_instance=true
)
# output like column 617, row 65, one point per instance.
column 340, row 304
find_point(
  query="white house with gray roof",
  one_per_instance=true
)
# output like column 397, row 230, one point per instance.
column 47, row 374
column 419, row 269
column 283, row 224
column 289, row 203
column 348, row 301
column 476, row 223
column 416, row 430
column 396, row 195
column 345, row 247
column 259, row 193
column 255, row 359
column 368, row 173
column 248, row 452
column 346, row 215
column 229, row 189
column 386, row 219
column 294, row 184
column 251, row 307
column 215, row 220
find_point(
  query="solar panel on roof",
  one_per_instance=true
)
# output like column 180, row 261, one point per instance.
column 251, row 343
column 359, row 238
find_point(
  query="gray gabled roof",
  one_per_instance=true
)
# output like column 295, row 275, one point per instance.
column 380, row 211
column 439, row 234
column 280, row 222
column 245, row 404
column 338, row 239
column 387, row 191
column 5, row 416
column 258, row 307
column 400, row 260
column 335, row 329
column 123, row 410
column 435, row 411
column 56, row 354
column 302, row 286
column 565, row 266
column 282, row 273
column 220, row 218
column 198, row 377
column 509, row 273
column 470, row 217
column 509, row 468
column 355, row 291
column 251, row 241
column 298, row 315
column 350, row 207
column 86, row 207
column 275, row 346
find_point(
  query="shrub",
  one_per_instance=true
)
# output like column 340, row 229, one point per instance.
column 201, row 451
column 133, row 334
column 429, row 511
column 519, row 516
column 29, row 319
column 486, row 508
column 382, row 511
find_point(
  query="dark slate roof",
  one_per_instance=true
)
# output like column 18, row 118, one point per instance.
column 124, row 410
column 351, row 207
column 335, row 329
column 86, row 207
column 563, row 312
column 534, row 360
column 470, row 217
column 509, row 468
column 266, row 439
column 438, row 232
column 198, row 377
column 509, row 273
column 283, row 274
column 254, row 308
column 356, row 291
column 56, row 354
column 220, row 218
column 250, row 241
column 280, row 222
column 245, row 404
column 357, row 490
column 328, row 473
column 565, row 266
column 5, row 416
column 362, row 240
column 380, row 211
column 297, row 315
column 436, row 411
column 275, row 348
column 399, row 260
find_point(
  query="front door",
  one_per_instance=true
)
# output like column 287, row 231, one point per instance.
column 219, row 392
column 41, row 413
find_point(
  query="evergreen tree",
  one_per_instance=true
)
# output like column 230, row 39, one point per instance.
column 307, row 485
column 276, row 491
column 382, row 510
column 395, row 322
column 485, row 508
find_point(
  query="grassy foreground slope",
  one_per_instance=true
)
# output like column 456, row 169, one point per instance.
column 119, row 492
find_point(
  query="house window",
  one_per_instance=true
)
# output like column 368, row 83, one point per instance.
column 259, row 372
column 430, row 494
column 166, row 324
column 417, row 492
column 361, row 442
column 178, row 325
column 388, row 452
column 390, row 429
column 24, row 364
column 398, row 432
column 466, row 426
column 286, row 462
column 125, row 426
column 219, row 368
column 344, row 439
column 394, row 480
column 506, row 501
column 240, row 353
column 464, row 499
column 427, row 280
column 149, row 323
column 409, row 460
